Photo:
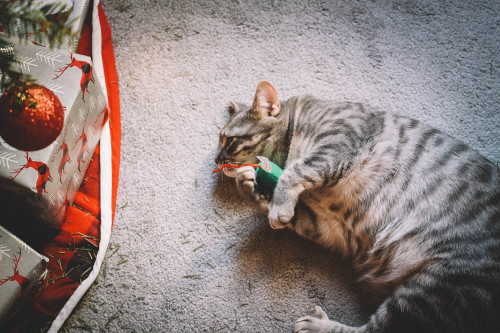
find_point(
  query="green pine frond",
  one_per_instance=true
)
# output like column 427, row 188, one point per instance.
column 39, row 21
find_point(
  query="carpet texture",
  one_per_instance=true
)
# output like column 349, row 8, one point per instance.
column 187, row 254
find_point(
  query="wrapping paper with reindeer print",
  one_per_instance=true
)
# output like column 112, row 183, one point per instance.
column 75, row 12
column 41, row 185
column 21, row 270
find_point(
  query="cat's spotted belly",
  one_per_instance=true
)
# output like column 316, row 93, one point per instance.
column 343, row 217
column 331, row 224
column 383, row 263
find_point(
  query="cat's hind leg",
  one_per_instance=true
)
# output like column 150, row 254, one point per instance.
column 318, row 322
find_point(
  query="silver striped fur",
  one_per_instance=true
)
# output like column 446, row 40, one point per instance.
column 417, row 211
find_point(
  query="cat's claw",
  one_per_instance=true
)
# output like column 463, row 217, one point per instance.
column 318, row 322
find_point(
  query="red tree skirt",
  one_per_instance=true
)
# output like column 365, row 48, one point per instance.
column 77, row 250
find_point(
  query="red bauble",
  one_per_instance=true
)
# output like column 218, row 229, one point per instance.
column 31, row 117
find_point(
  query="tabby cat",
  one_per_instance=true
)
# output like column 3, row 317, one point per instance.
column 417, row 211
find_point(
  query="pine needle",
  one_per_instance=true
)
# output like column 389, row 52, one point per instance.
column 122, row 7
column 105, row 271
column 117, row 247
column 86, row 271
column 199, row 247
column 218, row 214
column 84, row 325
column 110, row 319
column 122, row 261
column 87, row 237
column 93, row 308
column 230, row 247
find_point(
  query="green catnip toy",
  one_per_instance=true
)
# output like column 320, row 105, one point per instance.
column 268, row 177
column 267, row 172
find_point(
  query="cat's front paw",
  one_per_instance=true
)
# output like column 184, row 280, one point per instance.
column 247, row 185
column 280, row 213
column 318, row 322
column 245, row 180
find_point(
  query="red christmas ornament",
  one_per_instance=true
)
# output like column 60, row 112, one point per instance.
column 31, row 117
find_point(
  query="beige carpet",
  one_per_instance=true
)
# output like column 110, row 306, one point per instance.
column 186, row 254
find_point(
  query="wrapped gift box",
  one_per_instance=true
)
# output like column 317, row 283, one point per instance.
column 43, row 183
column 75, row 10
column 21, row 270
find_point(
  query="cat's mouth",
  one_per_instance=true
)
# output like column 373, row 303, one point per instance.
column 228, row 171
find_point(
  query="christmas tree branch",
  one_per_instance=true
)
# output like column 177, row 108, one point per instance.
column 38, row 21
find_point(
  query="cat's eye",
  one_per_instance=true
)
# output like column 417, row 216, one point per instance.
column 226, row 140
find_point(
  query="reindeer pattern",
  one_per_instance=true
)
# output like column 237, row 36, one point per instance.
column 65, row 155
column 84, row 120
column 84, row 146
column 43, row 174
column 86, row 69
column 15, row 276
column 23, row 281
column 21, row 268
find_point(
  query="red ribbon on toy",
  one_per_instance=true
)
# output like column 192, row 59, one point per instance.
column 236, row 166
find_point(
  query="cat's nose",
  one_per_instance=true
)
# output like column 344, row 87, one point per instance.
column 220, row 157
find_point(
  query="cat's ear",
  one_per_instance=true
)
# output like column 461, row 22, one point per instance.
column 266, row 103
column 233, row 108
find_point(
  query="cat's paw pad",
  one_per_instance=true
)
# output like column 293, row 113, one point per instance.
column 247, row 185
column 245, row 180
column 280, row 214
column 318, row 322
